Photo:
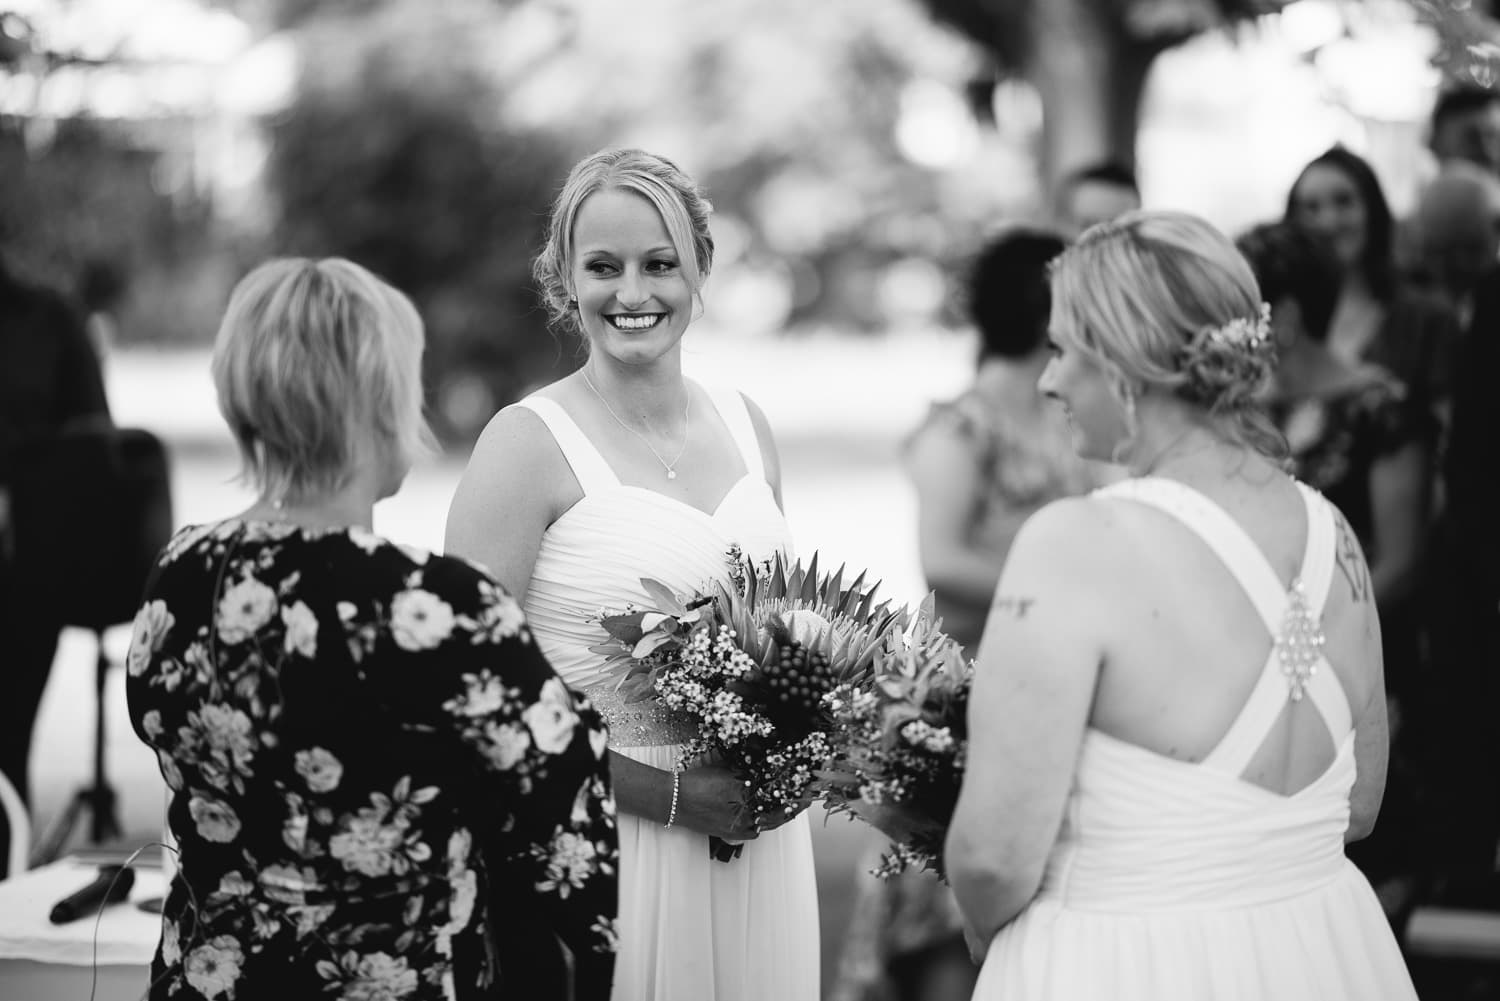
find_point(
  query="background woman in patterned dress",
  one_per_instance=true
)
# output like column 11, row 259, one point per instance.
column 981, row 465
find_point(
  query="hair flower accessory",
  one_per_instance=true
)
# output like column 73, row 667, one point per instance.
column 1243, row 332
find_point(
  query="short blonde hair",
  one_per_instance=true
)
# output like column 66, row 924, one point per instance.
column 676, row 197
column 1141, row 294
column 310, row 355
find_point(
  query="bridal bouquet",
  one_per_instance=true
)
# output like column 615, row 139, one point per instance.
column 764, row 667
column 907, row 737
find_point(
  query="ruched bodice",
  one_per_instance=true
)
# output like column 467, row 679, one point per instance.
column 594, row 556
column 1143, row 832
column 690, row 928
column 1182, row 881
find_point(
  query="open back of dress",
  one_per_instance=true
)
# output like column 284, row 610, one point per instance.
column 1175, row 880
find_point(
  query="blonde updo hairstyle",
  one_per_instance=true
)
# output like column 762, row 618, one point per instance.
column 1142, row 295
column 675, row 196
column 311, row 355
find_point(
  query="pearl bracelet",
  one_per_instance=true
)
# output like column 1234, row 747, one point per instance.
column 676, row 788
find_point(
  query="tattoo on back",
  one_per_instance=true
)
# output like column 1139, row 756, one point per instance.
column 1351, row 560
column 1016, row 607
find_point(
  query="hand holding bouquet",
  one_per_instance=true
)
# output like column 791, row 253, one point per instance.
column 903, row 761
column 763, row 667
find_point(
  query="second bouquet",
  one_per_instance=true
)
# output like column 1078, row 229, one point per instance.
column 764, row 668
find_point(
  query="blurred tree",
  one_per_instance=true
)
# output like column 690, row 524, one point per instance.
column 1468, row 39
column 393, row 155
column 1088, row 60
column 94, row 194
column 792, row 116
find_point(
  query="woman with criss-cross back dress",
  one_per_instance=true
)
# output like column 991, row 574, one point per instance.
column 627, row 470
column 1178, row 716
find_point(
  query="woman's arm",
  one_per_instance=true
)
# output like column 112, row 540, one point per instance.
column 1372, row 739
column 1033, row 689
column 948, row 481
column 516, row 484
column 710, row 800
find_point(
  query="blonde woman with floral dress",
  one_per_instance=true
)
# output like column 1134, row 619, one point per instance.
column 362, row 746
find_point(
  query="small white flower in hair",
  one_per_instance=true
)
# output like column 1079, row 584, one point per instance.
column 1243, row 332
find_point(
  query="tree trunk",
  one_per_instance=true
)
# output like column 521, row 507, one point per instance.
column 1090, row 77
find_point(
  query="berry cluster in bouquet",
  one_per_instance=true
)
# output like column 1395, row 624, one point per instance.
column 763, row 666
column 902, row 762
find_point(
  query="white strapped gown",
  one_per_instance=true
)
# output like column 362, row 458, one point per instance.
column 1178, row 881
column 691, row 928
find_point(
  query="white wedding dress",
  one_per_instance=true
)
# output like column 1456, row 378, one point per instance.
column 691, row 928
column 1173, row 881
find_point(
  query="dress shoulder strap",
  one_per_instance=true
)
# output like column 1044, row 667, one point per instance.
column 1293, row 616
column 736, row 416
column 1221, row 533
column 1317, row 578
column 589, row 467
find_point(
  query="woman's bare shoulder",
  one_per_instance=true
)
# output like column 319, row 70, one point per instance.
column 515, row 435
column 517, row 461
column 1080, row 534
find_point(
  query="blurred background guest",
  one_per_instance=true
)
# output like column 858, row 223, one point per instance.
column 1378, row 317
column 1357, row 436
column 1453, row 235
column 102, row 287
column 49, row 383
column 362, row 745
column 1465, row 126
column 981, row 464
column 1466, row 612
column 1095, row 194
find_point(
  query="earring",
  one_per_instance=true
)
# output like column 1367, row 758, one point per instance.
column 572, row 303
column 1116, row 455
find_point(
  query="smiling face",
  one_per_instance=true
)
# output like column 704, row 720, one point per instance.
column 1327, row 202
column 635, row 300
column 1075, row 379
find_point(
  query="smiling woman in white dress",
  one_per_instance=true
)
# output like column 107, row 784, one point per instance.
column 624, row 470
column 1178, row 716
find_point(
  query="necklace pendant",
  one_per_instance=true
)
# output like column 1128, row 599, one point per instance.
column 671, row 474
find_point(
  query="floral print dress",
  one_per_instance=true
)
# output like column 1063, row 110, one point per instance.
column 361, row 745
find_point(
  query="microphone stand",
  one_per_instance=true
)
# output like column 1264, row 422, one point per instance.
column 97, row 799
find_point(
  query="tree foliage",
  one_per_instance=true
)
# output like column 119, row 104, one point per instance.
column 392, row 155
column 1004, row 27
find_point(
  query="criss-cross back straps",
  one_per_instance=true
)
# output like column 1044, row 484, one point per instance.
column 736, row 416
column 1272, row 599
column 588, row 465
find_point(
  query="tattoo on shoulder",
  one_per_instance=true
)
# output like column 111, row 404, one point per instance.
column 1012, row 605
column 1351, row 561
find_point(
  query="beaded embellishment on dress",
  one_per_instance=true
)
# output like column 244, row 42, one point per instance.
column 642, row 722
column 1299, row 644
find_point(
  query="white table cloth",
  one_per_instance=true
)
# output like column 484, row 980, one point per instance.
column 40, row 961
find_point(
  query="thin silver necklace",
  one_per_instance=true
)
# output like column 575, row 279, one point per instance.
column 668, row 466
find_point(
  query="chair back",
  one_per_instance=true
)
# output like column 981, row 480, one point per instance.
column 92, row 510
